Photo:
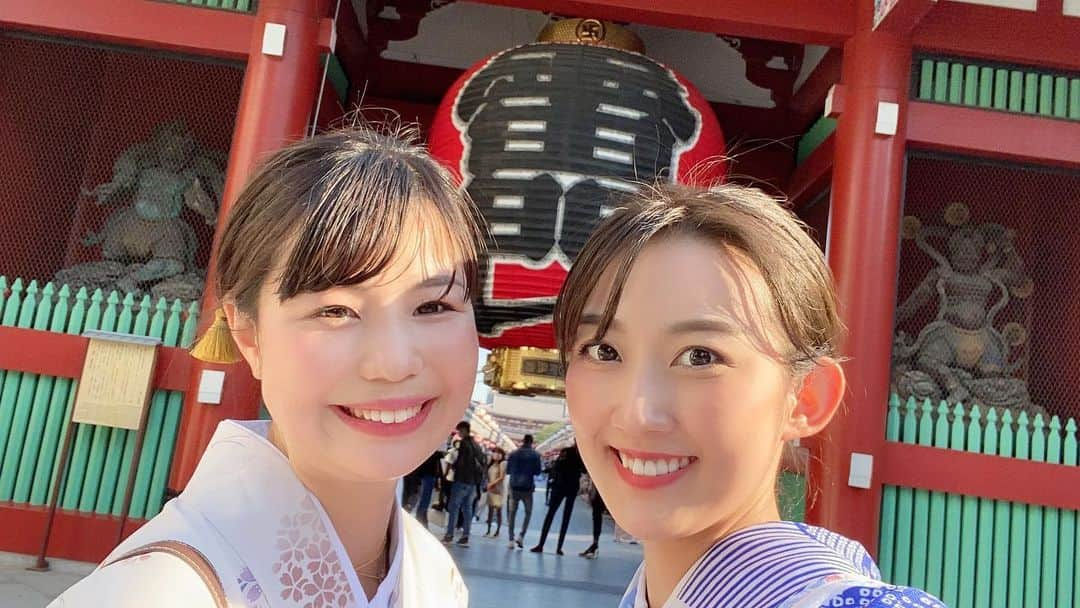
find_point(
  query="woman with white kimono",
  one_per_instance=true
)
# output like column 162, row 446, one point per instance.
column 699, row 331
column 344, row 275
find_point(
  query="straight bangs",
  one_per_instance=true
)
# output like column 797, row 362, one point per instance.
column 356, row 219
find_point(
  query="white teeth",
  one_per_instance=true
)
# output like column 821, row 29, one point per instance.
column 385, row 416
column 653, row 468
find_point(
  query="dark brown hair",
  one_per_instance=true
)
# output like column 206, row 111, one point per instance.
column 330, row 210
column 744, row 219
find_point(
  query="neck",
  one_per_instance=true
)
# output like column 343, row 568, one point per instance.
column 667, row 561
column 360, row 513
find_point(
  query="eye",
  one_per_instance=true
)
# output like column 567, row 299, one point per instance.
column 697, row 357
column 433, row 308
column 335, row 312
column 599, row 352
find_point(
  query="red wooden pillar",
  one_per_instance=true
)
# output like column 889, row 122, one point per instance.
column 863, row 249
column 276, row 103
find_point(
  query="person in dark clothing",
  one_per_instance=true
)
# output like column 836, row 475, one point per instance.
column 598, row 508
column 566, row 479
column 522, row 467
column 468, row 471
column 427, row 473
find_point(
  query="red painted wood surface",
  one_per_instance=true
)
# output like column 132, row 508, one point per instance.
column 863, row 244
column 813, row 175
column 159, row 25
column 827, row 22
column 955, row 472
column 988, row 133
column 56, row 354
column 85, row 537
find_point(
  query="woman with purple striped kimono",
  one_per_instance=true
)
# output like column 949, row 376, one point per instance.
column 699, row 329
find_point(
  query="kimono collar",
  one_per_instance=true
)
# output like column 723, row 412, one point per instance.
column 245, row 488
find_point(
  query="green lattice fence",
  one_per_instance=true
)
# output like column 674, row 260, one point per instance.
column 34, row 408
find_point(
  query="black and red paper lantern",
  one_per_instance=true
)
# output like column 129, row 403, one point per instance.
column 542, row 136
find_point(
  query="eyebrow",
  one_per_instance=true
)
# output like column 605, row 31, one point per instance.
column 679, row 327
column 446, row 279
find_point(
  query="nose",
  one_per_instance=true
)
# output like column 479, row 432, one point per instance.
column 389, row 354
column 646, row 406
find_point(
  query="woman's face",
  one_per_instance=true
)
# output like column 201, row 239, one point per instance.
column 363, row 381
column 679, row 409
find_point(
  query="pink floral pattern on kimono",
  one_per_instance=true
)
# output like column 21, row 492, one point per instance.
column 308, row 567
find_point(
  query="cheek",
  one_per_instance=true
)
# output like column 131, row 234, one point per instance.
column 450, row 352
column 589, row 396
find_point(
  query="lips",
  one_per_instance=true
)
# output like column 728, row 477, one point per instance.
column 388, row 417
column 649, row 470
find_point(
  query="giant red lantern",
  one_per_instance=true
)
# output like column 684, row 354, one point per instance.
column 543, row 136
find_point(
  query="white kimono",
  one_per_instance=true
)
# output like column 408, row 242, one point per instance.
column 269, row 542
column 783, row 565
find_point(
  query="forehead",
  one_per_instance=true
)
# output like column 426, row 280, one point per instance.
column 682, row 278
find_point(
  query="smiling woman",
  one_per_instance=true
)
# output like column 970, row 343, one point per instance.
column 345, row 274
column 699, row 331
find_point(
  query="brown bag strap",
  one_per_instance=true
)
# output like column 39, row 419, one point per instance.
column 189, row 555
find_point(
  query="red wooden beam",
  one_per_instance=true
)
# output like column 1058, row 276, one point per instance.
column 827, row 22
column 809, row 101
column 904, row 16
column 84, row 537
column 955, row 472
column 1005, row 135
column 812, row 176
column 55, row 354
column 989, row 32
column 158, row 25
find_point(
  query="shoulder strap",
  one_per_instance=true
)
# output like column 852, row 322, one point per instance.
column 189, row 555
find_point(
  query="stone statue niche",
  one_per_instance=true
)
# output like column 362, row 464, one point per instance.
column 146, row 246
column 965, row 354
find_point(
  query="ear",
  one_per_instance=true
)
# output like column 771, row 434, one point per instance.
column 243, row 332
column 816, row 400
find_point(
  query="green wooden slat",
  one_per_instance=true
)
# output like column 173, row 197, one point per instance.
column 1003, row 531
column 970, row 528
column 950, row 575
column 1001, row 89
column 29, row 318
column 1031, row 93
column 941, row 81
column 9, row 383
column 905, row 501
column 1016, row 91
column 1033, row 564
column 956, row 83
column 887, row 534
column 926, row 79
column 114, row 453
column 921, row 518
column 59, row 414
column 986, row 549
column 43, row 416
column 140, row 327
column 154, row 421
column 95, row 465
column 84, row 433
column 174, row 331
column 1069, row 594
column 1074, row 103
column 935, row 543
column 971, row 85
column 1051, row 524
column 1019, row 523
column 243, row 5
column 45, row 320
column 986, row 87
column 1061, row 97
column 1046, row 94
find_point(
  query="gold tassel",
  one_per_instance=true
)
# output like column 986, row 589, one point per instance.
column 217, row 344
